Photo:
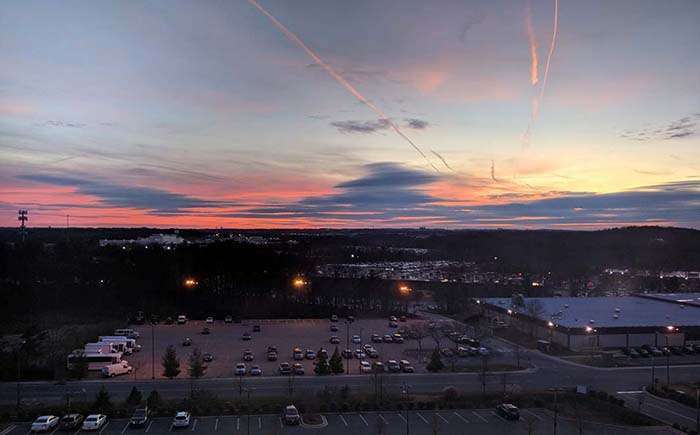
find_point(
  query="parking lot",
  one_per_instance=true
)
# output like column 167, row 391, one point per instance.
column 226, row 345
column 447, row 422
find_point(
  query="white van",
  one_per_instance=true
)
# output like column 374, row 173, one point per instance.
column 120, row 368
column 127, row 332
column 129, row 343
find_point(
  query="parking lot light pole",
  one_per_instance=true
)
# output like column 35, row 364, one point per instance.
column 405, row 393
column 247, row 390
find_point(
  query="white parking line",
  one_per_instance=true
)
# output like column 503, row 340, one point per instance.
column 104, row 427
column 363, row 420
column 8, row 429
column 259, row 423
column 501, row 418
column 216, row 424
column 342, row 418
column 443, row 418
column 422, row 418
column 533, row 414
column 238, row 423
column 281, row 423
column 54, row 431
column 149, row 426
column 194, row 425
column 126, row 426
column 401, row 417
column 459, row 416
column 480, row 417
column 383, row 419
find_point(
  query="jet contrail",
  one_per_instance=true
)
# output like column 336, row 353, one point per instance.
column 442, row 159
column 536, row 100
column 534, row 76
column 338, row 78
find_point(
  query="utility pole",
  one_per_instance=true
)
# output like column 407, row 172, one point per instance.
column 248, row 417
column 23, row 218
column 153, row 350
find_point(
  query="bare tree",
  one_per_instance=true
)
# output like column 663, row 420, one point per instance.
column 529, row 424
column 534, row 310
column 380, row 425
column 418, row 332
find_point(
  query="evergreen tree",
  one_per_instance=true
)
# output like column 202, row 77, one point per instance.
column 103, row 403
column 336, row 362
column 435, row 363
column 171, row 364
column 196, row 363
column 134, row 398
column 79, row 368
column 153, row 401
column 322, row 368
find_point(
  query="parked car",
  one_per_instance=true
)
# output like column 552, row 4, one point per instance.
column 688, row 349
column 309, row 354
column 255, row 370
column 140, row 417
column 334, row 339
column 285, row 368
column 334, row 328
column 508, row 411
column 207, row 357
column 94, row 422
column 393, row 366
column 447, row 351
column 356, row 339
column 205, row 331
column 272, row 355
column 181, row 319
column 256, row 328
column 227, row 319
column 376, row 338
column 334, row 318
column 643, row 352
column 346, row 353
column 298, row 369
column 71, row 422
column 378, row 367
column 187, row 342
column 248, row 355
column 297, row 354
column 291, row 416
column 44, row 423
column 372, row 353
column 666, row 350
column 240, row 369
column 397, row 338
column 656, row 351
column 393, row 324
column 169, row 320
column 365, row 367
column 402, row 319
column 246, row 336
column 182, row 419
column 406, row 366
column 323, row 353
column 360, row 354
column 676, row 350
column 209, row 320
column 387, row 338
column 392, row 318
column 484, row 351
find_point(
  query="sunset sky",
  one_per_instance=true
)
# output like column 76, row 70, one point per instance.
column 208, row 113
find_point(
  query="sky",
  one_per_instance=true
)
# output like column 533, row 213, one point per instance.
column 310, row 113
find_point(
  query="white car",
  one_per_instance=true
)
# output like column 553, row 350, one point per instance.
column 356, row 339
column 360, row 354
column 365, row 367
column 44, row 423
column 209, row 320
column 181, row 319
column 240, row 369
column 182, row 419
column 94, row 422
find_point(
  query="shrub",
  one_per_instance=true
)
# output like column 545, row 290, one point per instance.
column 450, row 394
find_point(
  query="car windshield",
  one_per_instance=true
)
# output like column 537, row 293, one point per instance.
column 91, row 419
column 42, row 419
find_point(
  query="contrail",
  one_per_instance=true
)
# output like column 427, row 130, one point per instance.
column 534, row 76
column 536, row 100
column 338, row 78
column 442, row 159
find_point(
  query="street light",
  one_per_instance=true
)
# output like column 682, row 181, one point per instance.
column 298, row 282
column 191, row 283
column 669, row 329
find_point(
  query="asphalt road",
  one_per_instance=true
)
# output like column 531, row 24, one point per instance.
column 548, row 372
column 446, row 422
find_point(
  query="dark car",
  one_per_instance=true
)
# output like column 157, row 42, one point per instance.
column 228, row 319
column 508, row 411
column 207, row 357
column 676, row 350
column 140, row 417
column 71, row 422
column 205, row 331
column 256, row 328
column 169, row 321
column 187, row 342
column 285, row 368
column 246, row 336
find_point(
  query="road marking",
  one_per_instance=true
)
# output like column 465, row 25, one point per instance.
column 54, row 431
column 480, row 417
column 281, row 423
column 170, row 429
column 443, row 418
column 501, row 418
column 216, row 424
column 238, row 423
column 8, row 429
column 402, row 417
column 104, row 427
column 460, row 417
column 126, row 426
column 669, row 411
column 342, row 418
column 259, row 423
column 383, row 419
column 533, row 414
column 422, row 418
column 194, row 425
column 149, row 426
column 363, row 420
column 630, row 392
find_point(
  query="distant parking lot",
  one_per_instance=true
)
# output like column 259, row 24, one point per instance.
column 226, row 345
column 444, row 422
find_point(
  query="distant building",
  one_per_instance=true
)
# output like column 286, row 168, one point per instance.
column 155, row 239
column 603, row 322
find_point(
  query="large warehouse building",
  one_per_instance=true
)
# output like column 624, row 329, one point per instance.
column 603, row 322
